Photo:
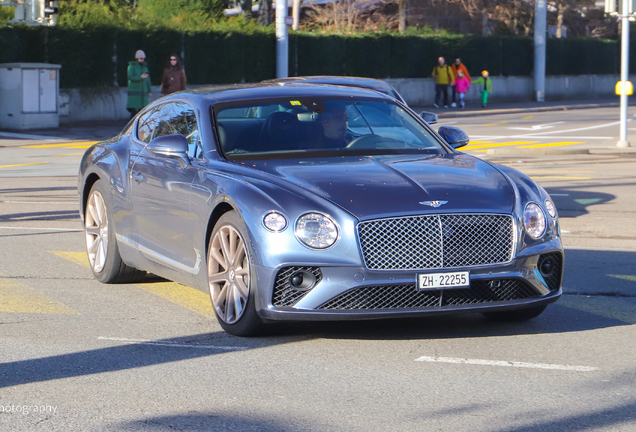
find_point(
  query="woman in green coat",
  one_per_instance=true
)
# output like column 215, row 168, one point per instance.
column 139, row 89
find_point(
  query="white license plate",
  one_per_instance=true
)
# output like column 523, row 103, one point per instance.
column 442, row 280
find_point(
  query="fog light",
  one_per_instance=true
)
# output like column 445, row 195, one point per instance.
column 547, row 267
column 302, row 280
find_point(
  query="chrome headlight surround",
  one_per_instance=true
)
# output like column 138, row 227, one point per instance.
column 317, row 230
column 534, row 220
column 274, row 221
column 549, row 206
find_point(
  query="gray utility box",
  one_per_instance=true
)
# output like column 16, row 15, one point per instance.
column 29, row 95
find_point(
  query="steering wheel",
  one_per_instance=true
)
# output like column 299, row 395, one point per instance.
column 364, row 141
column 373, row 141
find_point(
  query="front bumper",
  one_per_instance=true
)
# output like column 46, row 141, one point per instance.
column 518, row 284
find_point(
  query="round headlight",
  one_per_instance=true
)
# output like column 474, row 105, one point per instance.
column 549, row 206
column 316, row 230
column 534, row 220
column 275, row 221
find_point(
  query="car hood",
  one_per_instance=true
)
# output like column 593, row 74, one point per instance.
column 378, row 186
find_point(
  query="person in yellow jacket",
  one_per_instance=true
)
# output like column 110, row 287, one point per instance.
column 444, row 77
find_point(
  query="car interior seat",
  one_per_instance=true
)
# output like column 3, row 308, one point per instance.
column 281, row 131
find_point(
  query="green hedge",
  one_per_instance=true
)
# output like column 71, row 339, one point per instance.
column 93, row 58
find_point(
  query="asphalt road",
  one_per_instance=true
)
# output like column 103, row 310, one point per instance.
column 80, row 355
column 554, row 131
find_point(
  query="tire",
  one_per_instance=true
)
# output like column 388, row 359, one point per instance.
column 101, row 243
column 231, row 278
column 516, row 315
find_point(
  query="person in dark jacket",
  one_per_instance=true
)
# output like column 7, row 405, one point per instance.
column 174, row 77
column 139, row 89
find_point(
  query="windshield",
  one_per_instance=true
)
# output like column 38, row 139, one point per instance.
column 310, row 126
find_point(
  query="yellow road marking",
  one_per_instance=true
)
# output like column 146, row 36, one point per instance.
column 66, row 144
column 24, row 164
column 527, row 118
column 182, row 295
column 189, row 298
column 472, row 147
column 498, row 123
column 76, row 257
column 557, row 172
column 552, row 144
column 625, row 277
column 559, row 178
column 19, row 298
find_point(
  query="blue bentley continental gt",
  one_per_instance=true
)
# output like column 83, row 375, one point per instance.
column 297, row 201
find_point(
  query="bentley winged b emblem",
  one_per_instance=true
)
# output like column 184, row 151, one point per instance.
column 433, row 203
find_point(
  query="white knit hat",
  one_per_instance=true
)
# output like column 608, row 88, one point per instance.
column 140, row 54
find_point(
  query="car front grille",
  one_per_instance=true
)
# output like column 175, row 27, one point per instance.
column 440, row 241
column 284, row 293
column 406, row 296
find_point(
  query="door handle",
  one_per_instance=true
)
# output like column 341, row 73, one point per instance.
column 137, row 177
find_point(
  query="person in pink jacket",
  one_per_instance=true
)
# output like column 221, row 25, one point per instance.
column 463, row 85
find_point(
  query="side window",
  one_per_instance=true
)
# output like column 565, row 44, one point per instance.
column 147, row 124
column 179, row 118
column 195, row 149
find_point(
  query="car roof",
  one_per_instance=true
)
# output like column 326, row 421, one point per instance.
column 247, row 92
column 370, row 83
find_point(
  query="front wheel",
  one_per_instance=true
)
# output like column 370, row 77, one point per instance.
column 101, row 244
column 230, row 280
column 516, row 314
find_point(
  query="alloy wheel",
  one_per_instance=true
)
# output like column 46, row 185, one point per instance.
column 228, row 274
column 96, row 228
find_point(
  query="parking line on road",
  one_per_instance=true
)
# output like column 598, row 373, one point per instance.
column 630, row 278
column 40, row 229
column 74, row 144
column 480, row 145
column 16, row 297
column 506, row 364
column 75, row 257
column 559, row 178
column 189, row 298
column 553, row 144
column 24, row 164
column 171, row 344
column 556, row 172
column 184, row 296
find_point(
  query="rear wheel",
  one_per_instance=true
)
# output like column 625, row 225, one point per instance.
column 230, row 280
column 516, row 314
column 101, row 244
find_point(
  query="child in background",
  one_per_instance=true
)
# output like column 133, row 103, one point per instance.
column 463, row 85
column 487, row 87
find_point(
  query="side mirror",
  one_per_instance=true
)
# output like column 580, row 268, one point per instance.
column 171, row 147
column 429, row 117
column 455, row 137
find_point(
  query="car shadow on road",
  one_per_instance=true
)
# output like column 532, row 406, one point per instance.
column 124, row 355
column 572, row 202
column 599, row 292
